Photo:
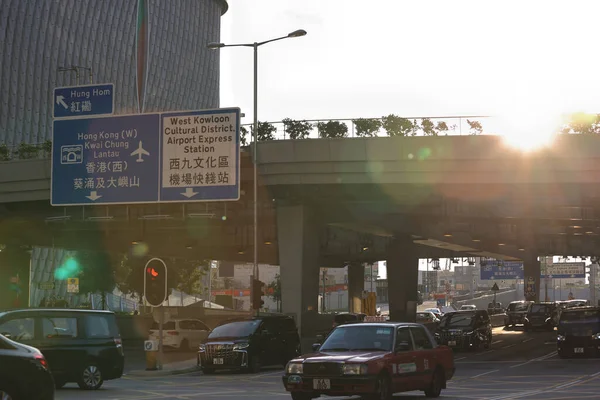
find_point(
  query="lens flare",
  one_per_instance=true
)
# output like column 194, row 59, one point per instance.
column 529, row 131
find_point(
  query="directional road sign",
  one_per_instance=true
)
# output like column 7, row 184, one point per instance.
column 83, row 101
column 565, row 270
column 200, row 155
column 105, row 160
column 494, row 269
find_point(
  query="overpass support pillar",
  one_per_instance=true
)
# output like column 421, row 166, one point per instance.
column 356, row 285
column 403, row 279
column 298, row 240
column 532, row 273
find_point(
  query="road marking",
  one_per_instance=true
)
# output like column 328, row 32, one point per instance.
column 461, row 358
column 595, row 375
column 485, row 352
column 485, row 373
column 509, row 346
column 542, row 358
column 527, row 340
column 498, row 341
column 567, row 385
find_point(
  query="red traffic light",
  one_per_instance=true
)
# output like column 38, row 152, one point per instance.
column 152, row 272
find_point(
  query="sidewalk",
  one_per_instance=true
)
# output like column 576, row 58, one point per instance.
column 173, row 368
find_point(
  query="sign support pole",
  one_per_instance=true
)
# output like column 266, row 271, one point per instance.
column 160, row 336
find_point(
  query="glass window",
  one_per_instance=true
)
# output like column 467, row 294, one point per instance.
column 237, row 329
column 186, row 324
column 359, row 338
column 59, row 327
column 97, row 326
column 168, row 326
column 403, row 336
column 199, row 326
column 422, row 341
column 18, row 329
column 457, row 320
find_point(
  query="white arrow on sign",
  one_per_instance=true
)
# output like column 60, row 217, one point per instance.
column 61, row 100
column 93, row 196
column 189, row 193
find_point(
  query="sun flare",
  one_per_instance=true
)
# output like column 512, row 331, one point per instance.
column 529, row 131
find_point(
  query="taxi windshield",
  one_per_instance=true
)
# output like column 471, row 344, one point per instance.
column 580, row 317
column 359, row 338
column 457, row 320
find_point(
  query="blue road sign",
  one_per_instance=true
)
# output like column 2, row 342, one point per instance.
column 105, row 160
column 83, row 101
column 200, row 155
column 565, row 270
column 494, row 269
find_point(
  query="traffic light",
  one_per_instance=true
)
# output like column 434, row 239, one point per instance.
column 155, row 282
column 257, row 294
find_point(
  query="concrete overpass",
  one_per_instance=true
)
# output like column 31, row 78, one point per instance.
column 346, row 200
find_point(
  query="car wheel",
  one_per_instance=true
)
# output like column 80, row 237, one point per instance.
column 384, row 389
column 7, row 394
column 438, row 381
column 90, row 377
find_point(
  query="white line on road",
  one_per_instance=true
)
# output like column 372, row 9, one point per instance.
column 527, row 340
column 595, row 375
column 567, row 384
column 509, row 346
column 460, row 358
column 485, row 352
column 485, row 373
column 542, row 358
column 498, row 341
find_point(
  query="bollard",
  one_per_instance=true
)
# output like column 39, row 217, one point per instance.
column 151, row 348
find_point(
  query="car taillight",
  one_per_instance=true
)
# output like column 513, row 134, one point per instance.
column 173, row 333
column 41, row 360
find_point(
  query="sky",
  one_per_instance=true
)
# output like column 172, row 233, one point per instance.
column 524, row 60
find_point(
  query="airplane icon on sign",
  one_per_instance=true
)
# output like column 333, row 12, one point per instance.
column 139, row 152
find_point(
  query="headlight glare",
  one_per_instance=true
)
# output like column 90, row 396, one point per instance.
column 294, row 368
column 596, row 336
column 240, row 346
column 354, row 369
column 560, row 338
column 202, row 347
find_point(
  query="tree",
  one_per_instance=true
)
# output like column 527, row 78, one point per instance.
column 266, row 131
column 274, row 289
column 332, row 129
column 96, row 273
column 366, row 127
column 188, row 275
column 129, row 275
column 428, row 127
column 297, row 129
column 397, row 126
column 243, row 136
column 582, row 123
column 14, row 276
column 475, row 127
column 441, row 127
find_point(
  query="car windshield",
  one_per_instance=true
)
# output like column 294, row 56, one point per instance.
column 359, row 338
column 580, row 317
column 236, row 329
column 539, row 309
column 457, row 320
column 517, row 307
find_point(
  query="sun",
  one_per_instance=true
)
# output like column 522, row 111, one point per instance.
column 529, row 130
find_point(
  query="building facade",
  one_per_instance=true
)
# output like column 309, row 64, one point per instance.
column 154, row 51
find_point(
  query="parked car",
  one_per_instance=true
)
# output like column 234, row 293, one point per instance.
column 24, row 373
column 579, row 332
column 372, row 359
column 436, row 311
column 249, row 344
column 515, row 313
column 184, row 334
column 82, row 346
column 344, row 318
column 465, row 330
column 540, row 316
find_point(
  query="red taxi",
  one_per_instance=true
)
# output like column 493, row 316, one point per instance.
column 374, row 360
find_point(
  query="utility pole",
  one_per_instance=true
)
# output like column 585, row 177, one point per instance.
column 593, row 271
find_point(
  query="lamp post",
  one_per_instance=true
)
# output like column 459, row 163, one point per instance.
column 255, row 46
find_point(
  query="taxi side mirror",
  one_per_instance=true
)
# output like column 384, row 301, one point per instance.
column 316, row 346
column 402, row 346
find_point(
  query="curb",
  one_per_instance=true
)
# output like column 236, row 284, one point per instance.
column 142, row 373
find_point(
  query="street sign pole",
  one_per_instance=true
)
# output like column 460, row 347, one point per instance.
column 161, row 321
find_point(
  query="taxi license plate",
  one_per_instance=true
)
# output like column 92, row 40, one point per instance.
column 578, row 349
column 218, row 361
column 321, row 384
column 452, row 343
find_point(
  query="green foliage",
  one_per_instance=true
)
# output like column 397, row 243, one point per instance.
column 274, row 289
column 297, row 129
column 96, row 272
column 187, row 276
column 428, row 127
column 266, row 131
column 367, row 127
column 47, row 147
column 397, row 126
column 332, row 129
column 475, row 127
column 582, row 123
column 243, row 136
column 129, row 275
column 14, row 276
column 441, row 127
column 27, row 151
column 4, row 152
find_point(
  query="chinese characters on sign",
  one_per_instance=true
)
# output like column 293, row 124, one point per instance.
column 565, row 270
column 495, row 269
column 85, row 100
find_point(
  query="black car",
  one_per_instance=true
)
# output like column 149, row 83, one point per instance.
column 249, row 344
column 82, row 346
column 579, row 332
column 465, row 330
column 515, row 313
column 24, row 373
column 540, row 316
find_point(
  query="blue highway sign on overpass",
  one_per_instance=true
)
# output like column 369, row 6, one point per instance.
column 495, row 269
column 83, row 101
column 146, row 158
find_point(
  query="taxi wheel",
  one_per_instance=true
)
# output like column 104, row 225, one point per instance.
column 437, row 383
column 384, row 389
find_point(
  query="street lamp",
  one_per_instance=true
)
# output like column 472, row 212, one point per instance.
column 255, row 46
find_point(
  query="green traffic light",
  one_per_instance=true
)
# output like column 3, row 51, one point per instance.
column 69, row 269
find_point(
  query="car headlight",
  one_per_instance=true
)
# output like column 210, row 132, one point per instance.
column 596, row 336
column 241, row 346
column 354, row 369
column 436, row 334
column 294, row 368
column 467, row 333
column 561, row 338
column 202, row 347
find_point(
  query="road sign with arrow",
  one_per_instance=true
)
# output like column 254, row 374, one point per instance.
column 85, row 100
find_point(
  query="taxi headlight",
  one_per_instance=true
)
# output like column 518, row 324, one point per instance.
column 202, row 347
column 240, row 346
column 354, row 369
column 560, row 338
column 294, row 368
